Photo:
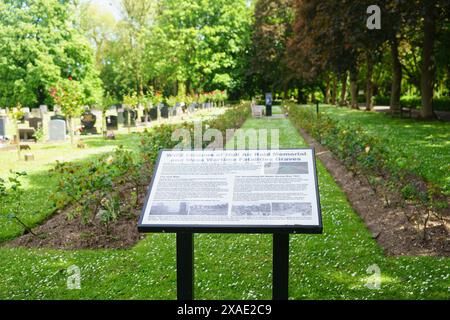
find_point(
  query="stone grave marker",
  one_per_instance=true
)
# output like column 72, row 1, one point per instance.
column 133, row 116
column 57, row 130
column 112, row 123
column 164, row 112
column 191, row 108
column 43, row 108
column 153, row 113
column 35, row 123
column 88, row 120
column 2, row 126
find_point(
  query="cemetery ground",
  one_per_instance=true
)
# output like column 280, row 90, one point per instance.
column 335, row 265
column 39, row 185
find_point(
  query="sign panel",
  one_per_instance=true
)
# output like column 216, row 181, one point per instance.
column 248, row 191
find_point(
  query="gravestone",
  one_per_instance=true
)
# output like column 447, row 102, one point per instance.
column 120, row 118
column 35, row 113
column 26, row 134
column 164, row 112
column 269, row 102
column 111, row 123
column 133, row 117
column 58, row 117
column 2, row 126
column 57, row 130
column 191, row 108
column 43, row 108
column 178, row 111
column 35, row 123
column 88, row 120
column 153, row 113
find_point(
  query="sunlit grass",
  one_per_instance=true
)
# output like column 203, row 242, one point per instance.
column 328, row 266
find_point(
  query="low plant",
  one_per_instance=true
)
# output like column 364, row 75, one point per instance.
column 11, row 197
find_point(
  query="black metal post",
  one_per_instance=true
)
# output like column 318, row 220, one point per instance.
column 185, row 266
column 280, row 286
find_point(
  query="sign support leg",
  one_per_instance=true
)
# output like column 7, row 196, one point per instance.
column 185, row 266
column 280, row 286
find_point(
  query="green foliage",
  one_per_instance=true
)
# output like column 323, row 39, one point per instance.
column 11, row 198
column 41, row 45
column 68, row 95
column 100, row 188
column 366, row 154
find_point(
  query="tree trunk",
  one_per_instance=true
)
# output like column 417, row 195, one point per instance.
column 286, row 91
column 396, row 87
column 333, row 96
column 327, row 90
column 70, row 121
column 354, row 87
column 369, row 86
column 104, row 127
column 428, row 70
column 343, row 101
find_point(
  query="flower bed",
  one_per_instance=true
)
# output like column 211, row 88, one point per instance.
column 386, row 170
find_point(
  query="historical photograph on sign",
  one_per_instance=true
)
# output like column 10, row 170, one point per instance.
column 286, row 168
column 169, row 208
column 291, row 209
column 220, row 209
column 250, row 210
column 234, row 187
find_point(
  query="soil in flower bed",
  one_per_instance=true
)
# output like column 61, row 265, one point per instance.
column 59, row 232
column 394, row 227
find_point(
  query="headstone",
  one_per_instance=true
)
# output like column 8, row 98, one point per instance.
column 58, row 117
column 35, row 123
column 111, row 123
column 133, row 117
column 2, row 126
column 43, row 108
column 191, row 108
column 35, row 113
column 269, row 102
column 57, row 130
column 88, row 120
column 153, row 113
column 120, row 117
column 26, row 134
column 165, row 112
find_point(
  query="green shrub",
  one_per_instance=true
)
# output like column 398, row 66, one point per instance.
column 365, row 154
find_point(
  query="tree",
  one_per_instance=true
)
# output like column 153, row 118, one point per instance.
column 69, row 96
column 270, row 32
column 41, row 44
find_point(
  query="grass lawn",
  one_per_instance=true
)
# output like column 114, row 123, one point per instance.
column 332, row 265
column 427, row 144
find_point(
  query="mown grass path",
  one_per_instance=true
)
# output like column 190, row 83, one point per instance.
column 328, row 266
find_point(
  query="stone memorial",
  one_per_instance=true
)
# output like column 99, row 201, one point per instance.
column 43, row 108
column 2, row 126
column 269, row 102
column 57, row 130
column 88, row 120
column 153, row 113
column 112, row 123
column 164, row 112
column 120, row 118
column 133, row 117
column 191, row 108
column 35, row 123
column 58, row 117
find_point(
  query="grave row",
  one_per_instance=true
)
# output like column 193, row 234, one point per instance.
column 54, row 125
